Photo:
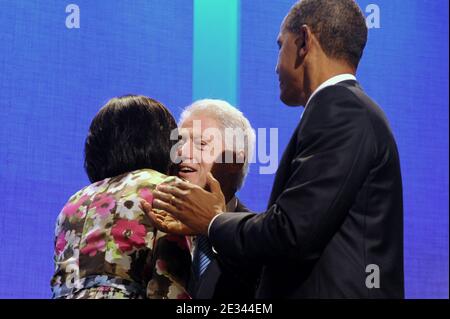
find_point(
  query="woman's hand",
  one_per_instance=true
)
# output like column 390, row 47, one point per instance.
column 164, row 222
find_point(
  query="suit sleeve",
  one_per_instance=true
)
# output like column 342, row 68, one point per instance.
column 334, row 150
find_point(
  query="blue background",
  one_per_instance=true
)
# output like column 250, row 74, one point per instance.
column 53, row 80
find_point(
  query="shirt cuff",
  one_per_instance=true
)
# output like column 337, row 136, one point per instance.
column 212, row 221
column 209, row 227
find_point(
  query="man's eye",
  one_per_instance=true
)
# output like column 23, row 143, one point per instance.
column 201, row 145
column 199, row 142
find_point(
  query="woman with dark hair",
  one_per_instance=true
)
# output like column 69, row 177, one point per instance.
column 105, row 245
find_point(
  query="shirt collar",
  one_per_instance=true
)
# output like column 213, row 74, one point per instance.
column 332, row 81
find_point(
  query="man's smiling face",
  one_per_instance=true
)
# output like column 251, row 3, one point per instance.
column 199, row 148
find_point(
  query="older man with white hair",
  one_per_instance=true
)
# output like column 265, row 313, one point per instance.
column 216, row 137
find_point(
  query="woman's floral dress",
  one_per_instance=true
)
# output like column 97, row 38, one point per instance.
column 106, row 247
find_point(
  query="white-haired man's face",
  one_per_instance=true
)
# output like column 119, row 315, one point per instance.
column 202, row 144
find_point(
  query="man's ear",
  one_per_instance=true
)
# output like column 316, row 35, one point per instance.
column 303, row 43
column 240, row 157
column 238, row 161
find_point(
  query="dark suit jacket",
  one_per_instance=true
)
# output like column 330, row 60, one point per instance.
column 224, row 279
column 335, row 208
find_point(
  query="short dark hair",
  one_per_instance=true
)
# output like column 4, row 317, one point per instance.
column 339, row 25
column 128, row 133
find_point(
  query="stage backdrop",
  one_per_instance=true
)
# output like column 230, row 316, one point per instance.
column 61, row 60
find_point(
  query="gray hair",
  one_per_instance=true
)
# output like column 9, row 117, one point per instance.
column 229, row 118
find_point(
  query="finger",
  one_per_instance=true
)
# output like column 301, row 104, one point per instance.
column 160, row 204
column 170, row 225
column 156, row 221
column 146, row 206
column 165, row 218
column 168, row 198
column 170, row 190
column 171, row 179
column 162, row 214
column 148, row 209
column 179, row 184
column 213, row 184
column 184, row 184
column 161, row 220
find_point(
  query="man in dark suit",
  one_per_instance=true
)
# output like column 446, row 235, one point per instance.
column 203, row 141
column 334, row 223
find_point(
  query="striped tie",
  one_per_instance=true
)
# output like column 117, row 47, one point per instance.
column 203, row 255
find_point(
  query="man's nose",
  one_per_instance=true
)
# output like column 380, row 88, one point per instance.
column 185, row 151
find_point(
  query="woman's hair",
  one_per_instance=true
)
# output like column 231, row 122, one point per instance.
column 128, row 133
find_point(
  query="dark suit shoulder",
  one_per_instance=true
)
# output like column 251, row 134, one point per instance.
column 377, row 119
column 349, row 96
column 337, row 102
column 334, row 112
column 346, row 106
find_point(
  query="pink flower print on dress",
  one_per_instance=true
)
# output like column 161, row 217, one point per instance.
column 61, row 243
column 103, row 204
column 128, row 234
column 95, row 243
column 70, row 209
column 146, row 194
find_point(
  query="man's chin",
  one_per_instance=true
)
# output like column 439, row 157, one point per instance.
column 290, row 101
column 191, row 178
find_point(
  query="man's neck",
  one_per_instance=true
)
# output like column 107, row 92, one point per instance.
column 324, row 71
